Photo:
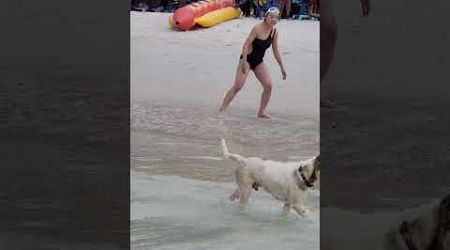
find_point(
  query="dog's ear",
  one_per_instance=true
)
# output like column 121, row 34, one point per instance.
column 316, row 172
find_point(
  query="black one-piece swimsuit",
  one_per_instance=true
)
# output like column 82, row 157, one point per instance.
column 259, row 49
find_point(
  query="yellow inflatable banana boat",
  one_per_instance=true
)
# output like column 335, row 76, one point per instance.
column 218, row 16
column 205, row 13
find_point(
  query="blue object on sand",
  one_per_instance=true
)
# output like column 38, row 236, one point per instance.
column 264, row 5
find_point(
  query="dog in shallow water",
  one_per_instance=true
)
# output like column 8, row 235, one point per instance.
column 288, row 183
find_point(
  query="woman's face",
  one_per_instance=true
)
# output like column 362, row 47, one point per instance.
column 272, row 18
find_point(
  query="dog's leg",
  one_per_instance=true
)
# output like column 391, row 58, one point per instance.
column 302, row 211
column 245, row 182
column 244, row 196
column 234, row 195
column 286, row 209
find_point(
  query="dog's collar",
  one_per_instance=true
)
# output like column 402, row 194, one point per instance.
column 304, row 179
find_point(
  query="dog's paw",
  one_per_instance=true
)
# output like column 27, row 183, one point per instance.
column 308, row 215
column 233, row 196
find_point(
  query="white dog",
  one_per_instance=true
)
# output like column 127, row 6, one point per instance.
column 288, row 183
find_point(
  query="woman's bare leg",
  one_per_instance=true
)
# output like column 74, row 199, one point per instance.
column 280, row 5
column 262, row 74
column 288, row 8
column 238, row 84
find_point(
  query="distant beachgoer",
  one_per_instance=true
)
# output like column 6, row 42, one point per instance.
column 262, row 36
column 164, row 4
column 285, row 8
column 245, row 6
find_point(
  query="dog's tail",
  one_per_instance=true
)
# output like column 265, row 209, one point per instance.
column 228, row 155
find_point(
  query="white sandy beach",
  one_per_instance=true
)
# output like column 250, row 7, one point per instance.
column 200, row 65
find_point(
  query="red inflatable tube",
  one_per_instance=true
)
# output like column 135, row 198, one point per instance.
column 184, row 18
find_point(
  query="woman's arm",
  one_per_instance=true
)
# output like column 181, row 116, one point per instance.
column 248, row 43
column 277, row 54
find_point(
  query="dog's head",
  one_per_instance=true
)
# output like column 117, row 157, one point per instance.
column 310, row 170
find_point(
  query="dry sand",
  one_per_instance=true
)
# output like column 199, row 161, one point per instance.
column 199, row 66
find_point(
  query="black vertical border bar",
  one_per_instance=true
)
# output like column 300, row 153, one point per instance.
column 64, row 118
column 385, row 144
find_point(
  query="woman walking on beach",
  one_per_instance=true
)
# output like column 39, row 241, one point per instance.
column 262, row 36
